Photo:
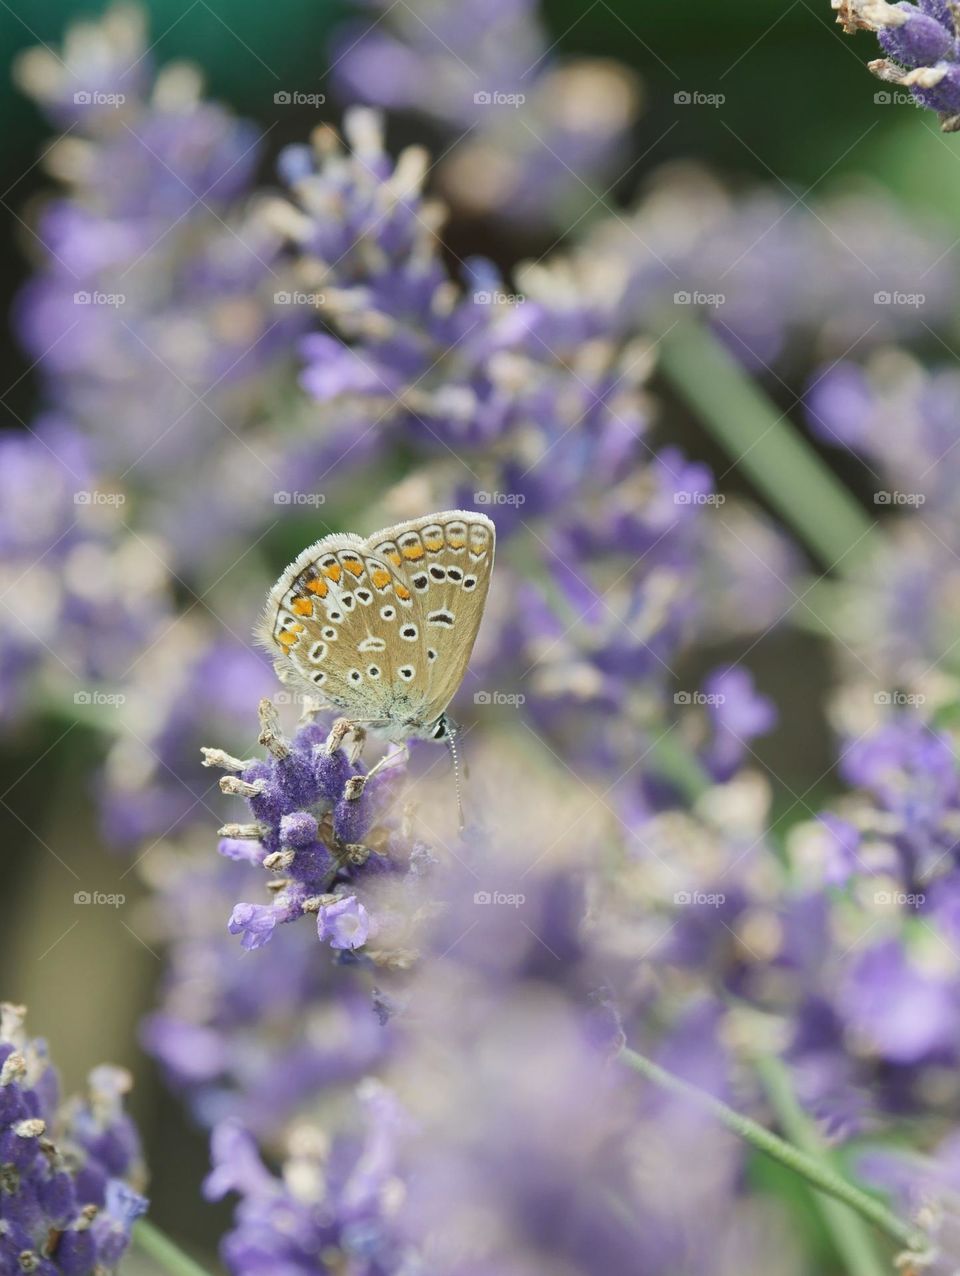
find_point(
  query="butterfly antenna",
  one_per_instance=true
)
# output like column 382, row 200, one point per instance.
column 456, row 776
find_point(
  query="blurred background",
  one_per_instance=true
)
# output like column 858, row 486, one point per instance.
column 799, row 116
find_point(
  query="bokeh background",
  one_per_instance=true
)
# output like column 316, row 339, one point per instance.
column 799, row 116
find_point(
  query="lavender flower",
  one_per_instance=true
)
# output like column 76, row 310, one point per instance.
column 531, row 133
column 75, row 604
column 69, row 1171
column 316, row 824
column 922, row 48
column 337, row 1200
column 152, row 319
column 257, row 1040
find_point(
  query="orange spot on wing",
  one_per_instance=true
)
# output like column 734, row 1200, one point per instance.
column 318, row 586
column 380, row 578
column 354, row 566
column 413, row 551
column 433, row 545
column 395, row 558
column 302, row 606
column 457, row 542
column 333, row 571
column 286, row 638
column 402, row 592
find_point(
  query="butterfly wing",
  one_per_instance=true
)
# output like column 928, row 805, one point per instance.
column 382, row 628
column 335, row 619
column 446, row 560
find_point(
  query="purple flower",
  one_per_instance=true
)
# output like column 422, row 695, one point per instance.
column 922, row 48
column 67, row 1203
column 738, row 714
column 255, row 1038
column 574, row 114
column 312, row 811
column 343, row 924
column 905, row 1015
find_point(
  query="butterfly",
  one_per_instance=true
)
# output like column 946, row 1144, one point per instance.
column 382, row 627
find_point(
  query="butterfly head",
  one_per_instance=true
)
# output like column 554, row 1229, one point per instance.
column 441, row 729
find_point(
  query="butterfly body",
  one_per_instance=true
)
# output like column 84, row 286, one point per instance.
column 381, row 628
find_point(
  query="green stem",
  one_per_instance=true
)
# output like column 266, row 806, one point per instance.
column 169, row 1255
column 820, row 1176
column 761, row 441
column 851, row 1235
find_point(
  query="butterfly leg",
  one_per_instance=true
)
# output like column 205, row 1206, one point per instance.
column 356, row 785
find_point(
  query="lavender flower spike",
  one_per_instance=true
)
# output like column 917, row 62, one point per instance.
column 922, row 47
column 68, row 1173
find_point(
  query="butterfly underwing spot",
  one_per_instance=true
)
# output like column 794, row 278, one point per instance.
column 355, row 675
column 317, row 652
column 456, row 536
column 437, row 573
column 410, row 633
column 421, row 582
column 334, row 615
column 431, row 654
column 411, row 547
column 331, row 569
column 319, row 677
column 441, row 617
column 388, row 613
column 302, row 606
column 353, row 564
column 374, row 671
column 380, row 577
column 479, row 540
column 454, row 574
column 365, row 597
column 329, row 633
column 347, row 602
column 469, row 583
column 433, row 538
column 390, row 552
column 317, row 585
column 370, row 643
column 407, row 672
